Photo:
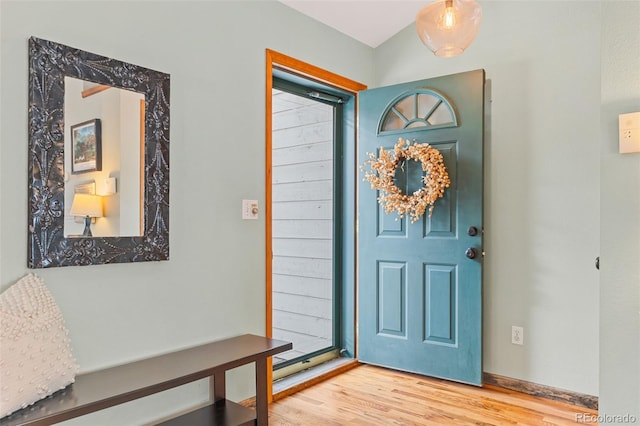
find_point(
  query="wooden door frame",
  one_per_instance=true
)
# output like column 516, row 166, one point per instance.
column 278, row 60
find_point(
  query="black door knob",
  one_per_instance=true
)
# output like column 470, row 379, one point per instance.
column 471, row 253
column 472, row 231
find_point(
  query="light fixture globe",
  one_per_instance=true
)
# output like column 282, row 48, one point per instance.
column 448, row 27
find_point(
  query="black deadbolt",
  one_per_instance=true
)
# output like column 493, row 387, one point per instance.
column 471, row 253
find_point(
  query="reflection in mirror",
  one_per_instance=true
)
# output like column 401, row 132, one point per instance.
column 88, row 162
column 118, row 180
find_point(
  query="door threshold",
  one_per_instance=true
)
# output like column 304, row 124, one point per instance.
column 311, row 376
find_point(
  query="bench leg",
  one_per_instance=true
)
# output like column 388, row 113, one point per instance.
column 217, row 386
column 262, row 409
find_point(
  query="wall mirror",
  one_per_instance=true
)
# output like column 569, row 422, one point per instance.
column 116, row 177
column 98, row 159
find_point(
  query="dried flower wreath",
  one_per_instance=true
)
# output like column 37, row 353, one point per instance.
column 383, row 171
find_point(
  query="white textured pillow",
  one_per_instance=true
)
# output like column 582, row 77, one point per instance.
column 35, row 356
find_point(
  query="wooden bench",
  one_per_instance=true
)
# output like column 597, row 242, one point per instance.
column 112, row 386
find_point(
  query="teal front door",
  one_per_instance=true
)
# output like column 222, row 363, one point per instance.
column 420, row 284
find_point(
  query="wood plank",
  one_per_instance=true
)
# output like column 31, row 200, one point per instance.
column 302, row 228
column 369, row 395
column 284, row 101
column 303, row 191
column 304, row 286
column 320, row 170
column 97, row 88
column 316, row 133
column 298, row 247
column 280, row 60
column 303, row 344
column 301, row 267
column 303, row 116
column 307, row 325
column 303, row 305
column 303, row 153
column 535, row 389
column 303, row 210
column 268, row 137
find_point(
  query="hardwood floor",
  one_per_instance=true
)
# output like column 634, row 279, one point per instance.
column 368, row 395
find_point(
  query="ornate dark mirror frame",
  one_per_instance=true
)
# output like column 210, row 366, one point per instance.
column 49, row 63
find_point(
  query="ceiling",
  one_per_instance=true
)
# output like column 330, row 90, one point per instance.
column 371, row 22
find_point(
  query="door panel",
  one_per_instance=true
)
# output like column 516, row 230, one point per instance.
column 440, row 310
column 392, row 298
column 419, row 296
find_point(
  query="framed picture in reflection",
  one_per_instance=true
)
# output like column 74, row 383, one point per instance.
column 86, row 147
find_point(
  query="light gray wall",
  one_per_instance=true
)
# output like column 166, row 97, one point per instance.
column 214, row 284
column 620, row 212
column 541, row 181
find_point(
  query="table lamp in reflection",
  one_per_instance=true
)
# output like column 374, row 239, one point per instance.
column 88, row 206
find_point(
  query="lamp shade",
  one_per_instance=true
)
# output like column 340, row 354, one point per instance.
column 86, row 205
column 448, row 27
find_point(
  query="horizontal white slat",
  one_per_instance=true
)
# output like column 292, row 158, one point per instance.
column 320, row 170
column 304, row 153
column 303, row 305
column 301, row 267
column 295, row 247
column 283, row 101
column 320, row 228
column 314, row 133
column 302, row 344
column 302, row 116
column 303, row 286
column 301, row 191
column 301, row 324
column 302, row 210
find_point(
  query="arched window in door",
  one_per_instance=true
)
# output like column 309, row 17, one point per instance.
column 418, row 109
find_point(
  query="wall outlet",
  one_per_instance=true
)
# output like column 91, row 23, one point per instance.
column 517, row 335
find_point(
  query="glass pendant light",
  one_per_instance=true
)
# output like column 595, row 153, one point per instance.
column 448, row 27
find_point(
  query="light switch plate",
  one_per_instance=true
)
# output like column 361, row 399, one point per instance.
column 249, row 209
column 629, row 126
column 109, row 186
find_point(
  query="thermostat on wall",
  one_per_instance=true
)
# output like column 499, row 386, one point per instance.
column 629, row 125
